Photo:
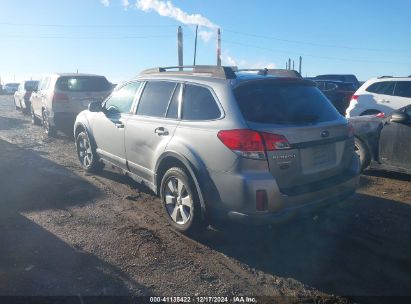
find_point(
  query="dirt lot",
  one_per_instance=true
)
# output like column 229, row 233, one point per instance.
column 63, row 232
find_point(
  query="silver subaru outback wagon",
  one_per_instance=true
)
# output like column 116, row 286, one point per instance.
column 216, row 143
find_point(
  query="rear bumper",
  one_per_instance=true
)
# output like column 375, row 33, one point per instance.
column 299, row 210
column 239, row 202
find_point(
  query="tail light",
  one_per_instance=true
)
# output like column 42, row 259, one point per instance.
column 252, row 144
column 354, row 97
column 60, row 97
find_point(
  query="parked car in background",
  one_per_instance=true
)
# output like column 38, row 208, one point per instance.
column 216, row 144
column 384, row 143
column 60, row 97
column 10, row 88
column 340, row 77
column 338, row 92
column 380, row 95
column 23, row 94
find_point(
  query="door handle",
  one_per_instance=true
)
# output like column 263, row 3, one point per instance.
column 119, row 125
column 161, row 131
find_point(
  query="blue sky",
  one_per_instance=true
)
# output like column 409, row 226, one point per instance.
column 119, row 38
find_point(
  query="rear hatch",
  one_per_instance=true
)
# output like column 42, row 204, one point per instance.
column 319, row 146
column 75, row 93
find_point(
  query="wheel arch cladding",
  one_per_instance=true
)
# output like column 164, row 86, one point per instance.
column 173, row 159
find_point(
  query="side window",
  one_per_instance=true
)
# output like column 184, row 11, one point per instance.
column 320, row 85
column 155, row 98
column 383, row 87
column 199, row 104
column 45, row 83
column 122, row 99
column 172, row 111
column 374, row 87
column 403, row 89
column 330, row 86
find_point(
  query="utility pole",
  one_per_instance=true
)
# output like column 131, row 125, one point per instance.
column 286, row 65
column 293, row 64
column 195, row 46
column 299, row 68
column 180, row 47
column 218, row 47
column 289, row 63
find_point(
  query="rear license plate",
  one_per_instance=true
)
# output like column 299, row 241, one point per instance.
column 323, row 155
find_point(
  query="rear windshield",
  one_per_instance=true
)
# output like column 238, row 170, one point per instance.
column 83, row 84
column 30, row 85
column 284, row 103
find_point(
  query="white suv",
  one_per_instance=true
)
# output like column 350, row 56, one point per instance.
column 384, row 94
column 60, row 97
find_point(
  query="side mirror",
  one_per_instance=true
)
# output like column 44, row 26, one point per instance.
column 95, row 106
column 399, row 117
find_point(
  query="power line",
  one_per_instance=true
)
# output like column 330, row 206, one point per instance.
column 86, row 25
column 313, row 43
column 313, row 56
column 88, row 37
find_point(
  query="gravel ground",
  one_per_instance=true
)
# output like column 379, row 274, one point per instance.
column 63, row 232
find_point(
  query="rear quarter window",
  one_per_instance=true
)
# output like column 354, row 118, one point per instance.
column 382, row 87
column 199, row 104
column 284, row 103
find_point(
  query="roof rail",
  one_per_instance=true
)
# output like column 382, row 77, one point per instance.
column 394, row 77
column 224, row 72
column 273, row 72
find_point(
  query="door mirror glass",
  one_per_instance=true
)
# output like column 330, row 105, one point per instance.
column 111, row 111
column 95, row 106
column 399, row 117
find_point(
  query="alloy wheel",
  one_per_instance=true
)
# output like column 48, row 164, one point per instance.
column 179, row 204
column 85, row 153
column 46, row 122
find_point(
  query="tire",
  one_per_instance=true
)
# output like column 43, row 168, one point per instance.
column 34, row 119
column 48, row 127
column 370, row 112
column 180, row 202
column 363, row 152
column 86, row 154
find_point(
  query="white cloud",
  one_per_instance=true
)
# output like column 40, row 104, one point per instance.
column 125, row 4
column 229, row 60
column 106, row 3
column 167, row 9
column 205, row 35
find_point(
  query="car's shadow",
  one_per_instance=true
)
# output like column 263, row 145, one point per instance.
column 388, row 174
column 354, row 248
column 33, row 260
